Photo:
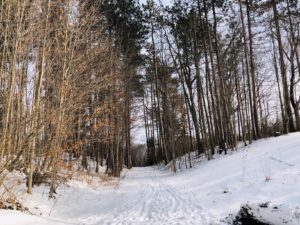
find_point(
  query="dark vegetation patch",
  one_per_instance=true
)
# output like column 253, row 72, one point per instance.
column 263, row 214
column 12, row 204
column 246, row 216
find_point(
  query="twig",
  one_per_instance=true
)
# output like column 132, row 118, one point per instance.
column 280, row 161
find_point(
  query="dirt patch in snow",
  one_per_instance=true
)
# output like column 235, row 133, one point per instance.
column 264, row 214
column 12, row 204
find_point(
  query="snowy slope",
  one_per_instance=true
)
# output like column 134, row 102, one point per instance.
column 266, row 171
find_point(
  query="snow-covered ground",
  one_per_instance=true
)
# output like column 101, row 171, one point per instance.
column 266, row 171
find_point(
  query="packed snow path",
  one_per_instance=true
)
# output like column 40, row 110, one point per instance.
column 267, row 170
column 157, row 202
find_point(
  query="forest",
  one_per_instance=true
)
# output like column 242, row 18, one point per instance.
column 198, row 77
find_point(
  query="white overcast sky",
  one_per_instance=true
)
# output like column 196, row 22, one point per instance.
column 164, row 2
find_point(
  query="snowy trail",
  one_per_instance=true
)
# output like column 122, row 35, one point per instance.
column 155, row 201
column 161, row 203
column 207, row 193
column 203, row 195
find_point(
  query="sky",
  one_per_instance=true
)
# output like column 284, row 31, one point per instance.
column 165, row 2
column 138, row 132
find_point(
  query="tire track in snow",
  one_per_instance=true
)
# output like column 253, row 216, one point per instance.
column 161, row 203
column 126, row 208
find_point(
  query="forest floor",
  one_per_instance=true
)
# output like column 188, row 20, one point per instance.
column 265, row 171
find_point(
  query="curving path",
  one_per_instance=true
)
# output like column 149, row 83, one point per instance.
column 204, row 195
column 155, row 202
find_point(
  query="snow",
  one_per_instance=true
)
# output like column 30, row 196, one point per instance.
column 279, row 214
column 15, row 217
column 265, row 171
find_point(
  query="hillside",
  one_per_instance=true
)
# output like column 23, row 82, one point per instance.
column 266, row 171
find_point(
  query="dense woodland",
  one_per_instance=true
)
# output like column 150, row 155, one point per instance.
column 201, row 75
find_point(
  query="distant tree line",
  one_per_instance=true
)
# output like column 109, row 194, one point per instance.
column 218, row 73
